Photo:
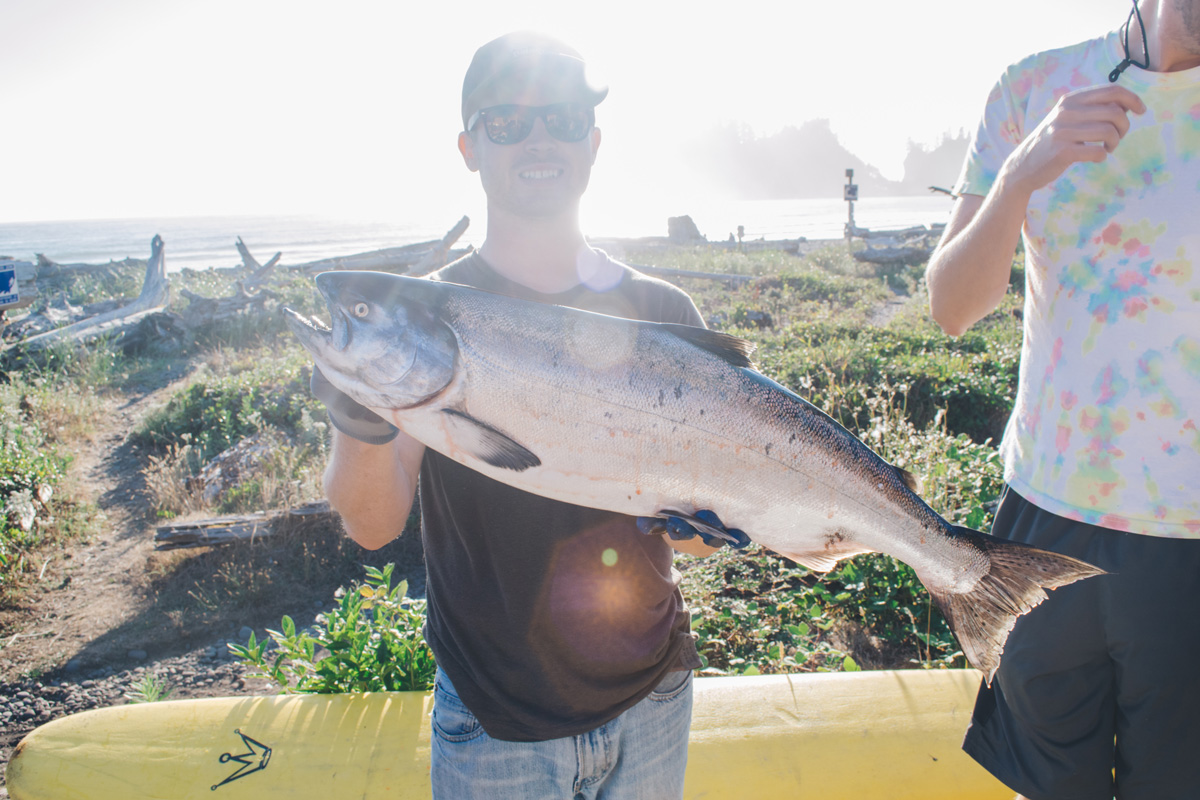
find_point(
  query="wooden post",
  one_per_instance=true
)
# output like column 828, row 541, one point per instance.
column 851, row 194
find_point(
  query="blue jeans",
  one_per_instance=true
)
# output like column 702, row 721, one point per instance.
column 640, row 754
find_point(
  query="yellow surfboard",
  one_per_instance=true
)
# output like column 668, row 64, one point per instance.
column 886, row 735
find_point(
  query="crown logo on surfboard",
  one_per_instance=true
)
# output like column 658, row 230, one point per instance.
column 253, row 760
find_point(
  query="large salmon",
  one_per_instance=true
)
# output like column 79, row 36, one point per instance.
column 651, row 419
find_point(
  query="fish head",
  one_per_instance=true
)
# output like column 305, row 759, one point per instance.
column 387, row 345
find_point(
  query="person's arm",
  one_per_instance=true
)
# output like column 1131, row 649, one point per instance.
column 372, row 486
column 371, row 477
column 969, row 271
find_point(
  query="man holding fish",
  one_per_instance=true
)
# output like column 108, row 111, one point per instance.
column 563, row 643
column 1093, row 153
column 555, row 623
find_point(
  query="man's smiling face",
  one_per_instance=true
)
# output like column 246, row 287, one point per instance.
column 539, row 176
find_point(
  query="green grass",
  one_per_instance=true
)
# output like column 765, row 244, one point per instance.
column 220, row 407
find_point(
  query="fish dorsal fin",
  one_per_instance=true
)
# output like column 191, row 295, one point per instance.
column 734, row 350
column 908, row 479
column 488, row 444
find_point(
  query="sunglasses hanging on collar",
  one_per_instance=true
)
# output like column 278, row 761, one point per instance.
column 1127, row 61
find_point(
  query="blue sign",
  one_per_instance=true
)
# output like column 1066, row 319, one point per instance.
column 9, row 295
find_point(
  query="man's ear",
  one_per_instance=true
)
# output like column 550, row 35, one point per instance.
column 466, row 146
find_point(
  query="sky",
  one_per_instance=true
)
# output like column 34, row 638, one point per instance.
column 153, row 108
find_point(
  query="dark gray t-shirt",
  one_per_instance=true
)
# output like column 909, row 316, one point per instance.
column 541, row 632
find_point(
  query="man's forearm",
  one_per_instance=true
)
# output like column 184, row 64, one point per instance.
column 372, row 486
column 969, row 271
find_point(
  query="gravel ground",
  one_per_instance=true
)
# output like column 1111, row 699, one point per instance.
column 206, row 672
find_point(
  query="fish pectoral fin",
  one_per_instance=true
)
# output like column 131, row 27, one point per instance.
column 488, row 444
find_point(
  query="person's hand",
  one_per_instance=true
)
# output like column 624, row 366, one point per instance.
column 1085, row 125
column 349, row 416
column 705, row 524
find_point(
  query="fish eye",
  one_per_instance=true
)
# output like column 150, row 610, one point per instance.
column 360, row 309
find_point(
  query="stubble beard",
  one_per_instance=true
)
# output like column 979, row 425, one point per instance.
column 1189, row 15
column 541, row 202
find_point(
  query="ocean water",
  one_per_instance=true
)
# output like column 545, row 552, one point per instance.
column 201, row 242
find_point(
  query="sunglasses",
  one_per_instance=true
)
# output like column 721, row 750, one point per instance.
column 567, row 122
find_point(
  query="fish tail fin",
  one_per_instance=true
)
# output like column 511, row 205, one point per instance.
column 1017, row 580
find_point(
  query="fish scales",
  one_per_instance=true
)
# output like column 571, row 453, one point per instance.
column 696, row 432
column 650, row 419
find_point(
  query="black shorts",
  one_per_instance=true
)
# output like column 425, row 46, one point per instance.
column 1103, row 675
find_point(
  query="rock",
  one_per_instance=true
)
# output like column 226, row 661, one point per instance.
column 137, row 655
column 234, row 466
column 245, row 632
column 683, row 230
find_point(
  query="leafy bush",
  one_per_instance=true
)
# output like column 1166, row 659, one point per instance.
column 834, row 365
column 371, row 641
column 118, row 281
column 765, row 615
column 216, row 412
column 31, row 469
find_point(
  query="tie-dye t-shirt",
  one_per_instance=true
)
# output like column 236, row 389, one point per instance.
column 1106, row 425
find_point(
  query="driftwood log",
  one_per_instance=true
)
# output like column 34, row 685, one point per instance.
column 257, row 274
column 155, row 296
column 669, row 272
column 224, row 530
column 207, row 310
column 910, row 246
column 439, row 255
column 395, row 259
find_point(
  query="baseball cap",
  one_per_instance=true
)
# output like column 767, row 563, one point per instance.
column 506, row 67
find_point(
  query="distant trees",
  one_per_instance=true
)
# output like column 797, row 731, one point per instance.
column 934, row 166
column 809, row 161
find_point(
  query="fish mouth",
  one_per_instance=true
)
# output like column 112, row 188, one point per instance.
column 312, row 333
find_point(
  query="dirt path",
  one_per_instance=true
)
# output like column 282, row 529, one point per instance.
column 76, row 614
column 84, row 634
